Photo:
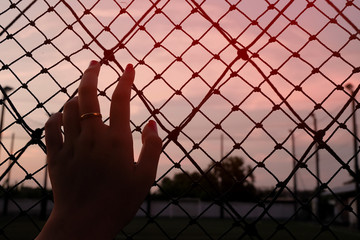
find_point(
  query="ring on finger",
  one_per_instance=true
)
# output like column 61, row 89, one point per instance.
column 90, row 115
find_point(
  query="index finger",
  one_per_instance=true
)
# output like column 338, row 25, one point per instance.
column 120, row 102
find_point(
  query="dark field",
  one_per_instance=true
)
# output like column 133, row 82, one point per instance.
column 181, row 228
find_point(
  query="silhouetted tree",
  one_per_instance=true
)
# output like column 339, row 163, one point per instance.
column 230, row 179
column 184, row 184
column 235, row 180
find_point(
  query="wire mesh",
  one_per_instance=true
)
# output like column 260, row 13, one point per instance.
column 274, row 82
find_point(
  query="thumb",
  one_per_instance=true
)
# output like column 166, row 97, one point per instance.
column 150, row 152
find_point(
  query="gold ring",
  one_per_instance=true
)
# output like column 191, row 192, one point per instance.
column 89, row 115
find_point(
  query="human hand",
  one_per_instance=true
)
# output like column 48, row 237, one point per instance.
column 97, row 187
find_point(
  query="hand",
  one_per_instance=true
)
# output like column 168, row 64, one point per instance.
column 97, row 186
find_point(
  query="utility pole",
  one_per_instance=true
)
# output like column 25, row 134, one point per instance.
column 221, row 146
column 294, row 178
column 44, row 201
column 317, row 166
column 221, row 157
column 11, row 152
column 4, row 90
column 6, row 197
column 356, row 164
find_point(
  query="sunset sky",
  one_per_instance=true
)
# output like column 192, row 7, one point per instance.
column 309, row 47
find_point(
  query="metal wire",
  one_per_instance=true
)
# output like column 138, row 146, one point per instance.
column 244, row 60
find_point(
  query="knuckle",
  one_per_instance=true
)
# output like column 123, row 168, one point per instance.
column 87, row 140
column 48, row 125
column 53, row 120
column 88, row 71
column 70, row 104
column 85, row 89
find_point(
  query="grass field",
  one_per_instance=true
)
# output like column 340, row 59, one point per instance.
column 180, row 228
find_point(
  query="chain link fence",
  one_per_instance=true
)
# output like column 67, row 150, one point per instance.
column 271, row 82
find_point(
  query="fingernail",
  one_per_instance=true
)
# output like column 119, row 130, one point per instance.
column 153, row 125
column 129, row 67
column 93, row 63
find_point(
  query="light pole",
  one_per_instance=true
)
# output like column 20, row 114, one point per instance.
column 317, row 166
column 294, row 177
column 11, row 152
column 44, row 201
column 5, row 89
column 221, row 158
column 356, row 164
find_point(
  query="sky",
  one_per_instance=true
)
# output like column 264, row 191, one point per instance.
column 194, row 75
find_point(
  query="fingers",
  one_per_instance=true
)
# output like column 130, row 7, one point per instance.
column 71, row 120
column 150, row 152
column 88, row 101
column 53, row 136
column 120, row 102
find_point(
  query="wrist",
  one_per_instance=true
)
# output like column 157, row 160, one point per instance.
column 76, row 226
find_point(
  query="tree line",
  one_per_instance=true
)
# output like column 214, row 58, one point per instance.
column 230, row 179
